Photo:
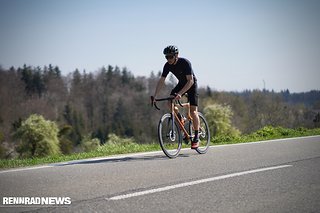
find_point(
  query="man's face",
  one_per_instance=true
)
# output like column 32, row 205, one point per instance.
column 171, row 58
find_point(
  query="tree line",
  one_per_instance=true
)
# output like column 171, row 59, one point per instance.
column 113, row 100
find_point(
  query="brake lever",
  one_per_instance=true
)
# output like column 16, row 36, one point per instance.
column 179, row 100
column 155, row 105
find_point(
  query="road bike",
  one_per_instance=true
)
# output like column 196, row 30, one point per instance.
column 174, row 127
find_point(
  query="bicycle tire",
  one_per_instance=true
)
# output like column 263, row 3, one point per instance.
column 204, row 134
column 169, row 136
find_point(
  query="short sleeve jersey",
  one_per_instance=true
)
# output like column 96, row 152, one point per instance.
column 181, row 69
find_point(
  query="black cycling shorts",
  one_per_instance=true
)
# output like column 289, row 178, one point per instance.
column 192, row 93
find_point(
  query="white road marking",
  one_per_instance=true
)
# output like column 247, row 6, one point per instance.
column 166, row 188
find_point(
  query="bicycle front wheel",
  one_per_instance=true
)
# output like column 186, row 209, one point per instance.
column 169, row 136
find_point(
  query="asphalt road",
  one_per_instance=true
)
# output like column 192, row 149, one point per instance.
column 275, row 176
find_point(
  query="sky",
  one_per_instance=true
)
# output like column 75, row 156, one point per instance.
column 233, row 45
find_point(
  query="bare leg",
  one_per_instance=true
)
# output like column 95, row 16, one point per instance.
column 195, row 117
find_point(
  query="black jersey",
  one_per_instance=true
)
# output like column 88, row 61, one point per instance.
column 181, row 69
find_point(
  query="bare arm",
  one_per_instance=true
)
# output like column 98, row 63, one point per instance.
column 159, row 86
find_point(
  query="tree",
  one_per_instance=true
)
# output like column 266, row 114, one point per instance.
column 121, row 120
column 33, row 80
column 113, row 100
column 39, row 137
column 75, row 121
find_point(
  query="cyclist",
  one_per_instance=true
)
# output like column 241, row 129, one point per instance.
column 182, row 70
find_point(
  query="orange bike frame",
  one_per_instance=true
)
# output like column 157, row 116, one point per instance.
column 174, row 110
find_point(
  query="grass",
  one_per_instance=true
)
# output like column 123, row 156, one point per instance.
column 266, row 133
column 123, row 146
column 102, row 151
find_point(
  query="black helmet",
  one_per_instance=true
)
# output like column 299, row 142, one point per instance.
column 170, row 50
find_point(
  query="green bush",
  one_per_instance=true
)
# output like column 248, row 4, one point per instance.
column 274, row 132
column 266, row 133
column 89, row 144
column 219, row 120
column 38, row 137
column 114, row 139
column 119, row 145
column 66, row 145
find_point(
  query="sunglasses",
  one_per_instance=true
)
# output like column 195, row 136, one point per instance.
column 169, row 56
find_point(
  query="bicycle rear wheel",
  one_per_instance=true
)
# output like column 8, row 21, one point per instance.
column 169, row 136
column 204, row 134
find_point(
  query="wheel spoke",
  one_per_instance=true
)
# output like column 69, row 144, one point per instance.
column 169, row 136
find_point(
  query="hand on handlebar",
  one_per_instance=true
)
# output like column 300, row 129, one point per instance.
column 171, row 98
column 153, row 102
column 177, row 96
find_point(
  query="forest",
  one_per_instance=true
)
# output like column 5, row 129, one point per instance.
column 112, row 100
